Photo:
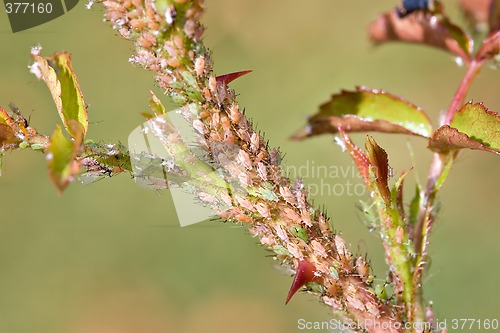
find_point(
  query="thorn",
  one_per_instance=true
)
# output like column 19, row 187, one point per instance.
column 227, row 78
column 305, row 274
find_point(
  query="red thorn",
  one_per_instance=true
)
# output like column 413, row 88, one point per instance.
column 305, row 274
column 227, row 78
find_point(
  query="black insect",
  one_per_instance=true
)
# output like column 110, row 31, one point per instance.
column 407, row 7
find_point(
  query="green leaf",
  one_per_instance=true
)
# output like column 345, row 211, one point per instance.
column 366, row 110
column 472, row 127
column 61, row 80
column 61, row 155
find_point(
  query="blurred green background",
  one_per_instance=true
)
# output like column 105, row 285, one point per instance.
column 110, row 256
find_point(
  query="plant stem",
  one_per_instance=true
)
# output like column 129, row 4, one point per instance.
column 472, row 70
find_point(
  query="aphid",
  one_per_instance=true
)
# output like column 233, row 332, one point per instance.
column 263, row 210
column 281, row 233
column 254, row 142
column 199, row 66
column 407, row 7
column 363, row 270
column 281, row 250
column 381, row 292
column 262, row 171
column 299, row 232
column 286, row 193
column 334, row 273
column 291, row 214
column 244, row 159
column 319, row 249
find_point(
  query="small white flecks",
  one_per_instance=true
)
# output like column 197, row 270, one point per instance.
column 169, row 16
column 132, row 60
column 459, row 61
column 120, row 22
column 49, row 156
column 308, row 129
column 298, row 186
column 124, row 32
column 341, row 143
column 111, row 150
column 282, row 234
column 169, row 164
column 90, row 3
column 390, row 172
column 434, row 21
column 36, row 49
column 35, row 69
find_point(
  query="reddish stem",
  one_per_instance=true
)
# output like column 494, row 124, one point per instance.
column 459, row 97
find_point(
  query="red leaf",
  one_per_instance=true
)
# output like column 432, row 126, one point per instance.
column 228, row 78
column 447, row 138
column 422, row 28
column 378, row 159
